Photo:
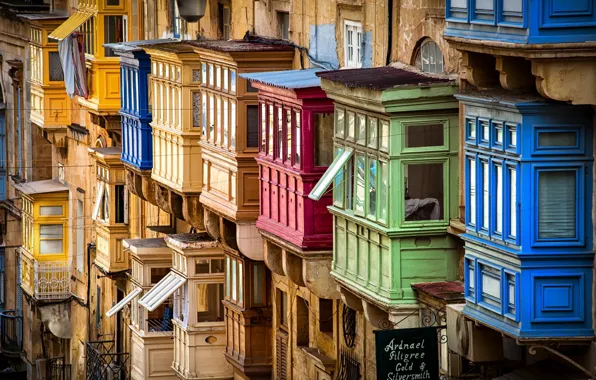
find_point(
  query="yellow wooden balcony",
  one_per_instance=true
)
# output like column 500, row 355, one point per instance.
column 50, row 106
column 103, row 81
column 45, row 265
column 110, row 210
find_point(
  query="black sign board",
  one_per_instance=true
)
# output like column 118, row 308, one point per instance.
column 407, row 354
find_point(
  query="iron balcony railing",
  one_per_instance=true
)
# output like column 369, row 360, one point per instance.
column 11, row 330
column 105, row 364
column 57, row 369
column 52, row 280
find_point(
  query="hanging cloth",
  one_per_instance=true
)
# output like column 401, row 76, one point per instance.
column 72, row 57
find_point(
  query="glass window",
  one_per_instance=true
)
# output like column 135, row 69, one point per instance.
column 206, row 266
column 353, row 44
column 282, row 307
column 283, row 23
column 50, row 210
column 557, row 139
column 204, row 73
column 263, row 129
column 498, row 133
column 373, row 139
column 429, row 58
column 114, row 31
column 323, row 139
column 226, row 78
column 424, row 192
column 511, row 135
column 298, row 138
column 499, row 198
column 228, row 278
column 240, row 282
column 361, row 120
column 557, row 210
column 419, row 136
column 121, row 201
column 270, row 137
column 372, row 187
column 211, row 75
column 513, row 202
column 351, row 125
column 233, row 81
column 218, row 129
column 55, row 66
column 209, row 305
column 384, row 136
column 491, row 285
column 485, row 193
column 326, row 316
column 218, row 77
column 280, row 133
column 233, row 124
column 338, row 186
column 383, row 180
column 258, row 281
column 471, row 129
column 226, row 116
column 252, row 126
column 211, row 118
column 51, row 238
column 204, row 114
column 339, row 123
column 472, row 192
column 349, row 185
column 484, row 130
column 330, row 174
column 359, row 186
column 158, row 273
column 234, row 283
column 288, row 135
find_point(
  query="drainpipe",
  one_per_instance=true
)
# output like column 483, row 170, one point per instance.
column 389, row 29
column 90, row 246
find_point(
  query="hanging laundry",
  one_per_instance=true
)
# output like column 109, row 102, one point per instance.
column 72, row 57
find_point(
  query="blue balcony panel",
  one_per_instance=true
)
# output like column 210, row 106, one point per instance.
column 522, row 21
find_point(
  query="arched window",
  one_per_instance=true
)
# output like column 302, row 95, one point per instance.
column 429, row 57
column 101, row 142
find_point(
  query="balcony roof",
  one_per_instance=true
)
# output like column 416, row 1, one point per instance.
column 288, row 79
column 41, row 187
column 191, row 241
column 44, row 16
column 133, row 46
column 229, row 46
column 381, row 78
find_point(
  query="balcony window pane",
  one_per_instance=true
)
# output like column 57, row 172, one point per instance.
column 484, row 130
column 121, row 204
column 288, row 135
column 373, row 138
column 218, row 130
column 114, row 31
column 323, row 139
column 258, row 280
column 557, row 210
column 359, row 190
column 202, row 266
column 218, row 76
column 56, row 72
column 297, row 134
column 232, row 125
column 204, row 114
column 361, row 120
column 50, row 238
column 351, row 125
column 211, row 75
column 424, row 192
column 50, row 210
column 338, row 185
column 233, row 81
column 263, row 129
column 204, row 73
column 485, row 194
column 226, row 77
column 499, row 200
column 383, row 180
column 498, row 133
column 372, row 187
column 226, row 116
column 419, row 136
column 234, row 284
column 384, row 136
column 209, row 305
column 513, row 202
column 340, row 123
column 252, row 126
column 557, row 139
column 240, row 282
column 228, row 278
column 211, row 118
column 512, row 135
column 270, row 137
column 349, row 185
column 280, row 133
column 472, row 191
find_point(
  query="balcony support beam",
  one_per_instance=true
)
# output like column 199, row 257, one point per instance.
column 273, row 258
column 318, row 280
column 515, row 73
column 566, row 80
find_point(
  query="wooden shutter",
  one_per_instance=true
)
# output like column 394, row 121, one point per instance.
column 281, row 355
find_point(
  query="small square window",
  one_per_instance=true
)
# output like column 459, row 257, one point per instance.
column 557, row 139
column 484, row 131
column 340, row 123
column 498, row 134
column 471, row 130
column 352, row 44
column 511, row 136
column 420, row 136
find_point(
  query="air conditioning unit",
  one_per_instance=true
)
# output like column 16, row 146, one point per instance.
column 470, row 340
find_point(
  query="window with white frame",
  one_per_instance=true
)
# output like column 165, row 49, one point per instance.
column 429, row 57
column 352, row 44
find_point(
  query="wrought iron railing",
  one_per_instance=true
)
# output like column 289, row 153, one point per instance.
column 159, row 325
column 11, row 330
column 105, row 364
column 52, row 280
column 57, row 369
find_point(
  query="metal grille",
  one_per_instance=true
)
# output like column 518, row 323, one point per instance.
column 349, row 367
column 104, row 364
column 281, row 353
column 11, row 325
column 56, row 73
column 349, row 326
column 52, row 280
column 57, row 369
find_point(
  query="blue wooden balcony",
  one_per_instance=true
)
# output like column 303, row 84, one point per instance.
column 522, row 21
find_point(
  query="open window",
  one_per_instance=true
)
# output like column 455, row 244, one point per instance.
column 323, row 139
column 352, row 44
column 424, row 191
column 332, row 172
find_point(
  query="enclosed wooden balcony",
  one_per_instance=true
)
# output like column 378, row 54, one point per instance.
column 177, row 165
column 152, row 347
column 110, row 211
column 50, row 105
column 45, row 265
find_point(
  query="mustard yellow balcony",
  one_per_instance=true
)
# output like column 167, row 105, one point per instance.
column 45, row 269
column 110, row 211
column 50, row 106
